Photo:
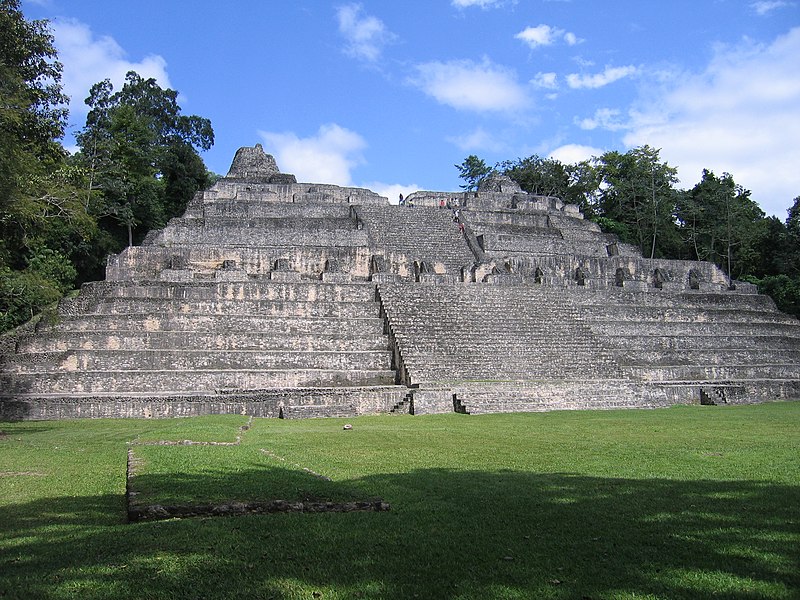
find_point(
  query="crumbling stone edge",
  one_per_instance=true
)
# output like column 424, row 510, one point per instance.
column 155, row 512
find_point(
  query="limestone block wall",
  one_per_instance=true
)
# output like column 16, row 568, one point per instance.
column 257, row 208
column 232, row 189
column 205, row 262
column 261, row 232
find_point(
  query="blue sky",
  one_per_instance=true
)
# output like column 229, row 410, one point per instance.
column 391, row 95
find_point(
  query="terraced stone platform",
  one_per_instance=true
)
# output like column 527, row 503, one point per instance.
column 275, row 298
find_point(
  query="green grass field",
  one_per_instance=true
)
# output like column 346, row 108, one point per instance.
column 688, row 502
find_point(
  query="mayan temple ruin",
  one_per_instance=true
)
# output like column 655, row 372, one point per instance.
column 274, row 298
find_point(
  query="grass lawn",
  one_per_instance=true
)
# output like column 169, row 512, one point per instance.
column 687, row 502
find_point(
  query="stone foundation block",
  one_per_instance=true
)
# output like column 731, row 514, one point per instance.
column 337, row 277
column 284, row 276
column 432, row 401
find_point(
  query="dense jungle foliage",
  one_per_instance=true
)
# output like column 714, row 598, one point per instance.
column 61, row 215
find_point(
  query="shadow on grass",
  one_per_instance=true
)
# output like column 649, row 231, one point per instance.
column 449, row 535
column 254, row 483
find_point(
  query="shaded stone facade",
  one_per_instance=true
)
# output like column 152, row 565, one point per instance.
column 275, row 298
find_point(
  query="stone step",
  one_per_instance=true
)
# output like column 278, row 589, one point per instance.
column 176, row 381
column 730, row 372
column 265, row 402
column 538, row 396
column 195, row 359
column 480, row 218
column 509, row 245
column 273, row 224
column 344, row 326
column 514, row 229
column 219, row 235
column 419, row 234
column 744, row 330
column 426, row 373
column 679, row 343
column 473, row 332
column 287, row 308
column 245, row 208
column 301, row 291
column 645, row 314
column 543, row 345
column 484, row 408
column 708, row 357
column 317, row 411
column 615, row 296
column 221, row 340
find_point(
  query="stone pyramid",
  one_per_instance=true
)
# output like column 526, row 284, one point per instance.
column 282, row 299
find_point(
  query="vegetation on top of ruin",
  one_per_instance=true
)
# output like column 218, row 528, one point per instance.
column 635, row 196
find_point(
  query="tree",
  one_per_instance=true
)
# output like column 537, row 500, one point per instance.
column 573, row 184
column 43, row 224
column 792, row 265
column 473, row 170
column 537, row 175
column 636, row 199
column 141, row 155
column 32, row 106
column 722, row 224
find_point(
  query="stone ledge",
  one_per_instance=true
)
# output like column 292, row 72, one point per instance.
column 158, row 512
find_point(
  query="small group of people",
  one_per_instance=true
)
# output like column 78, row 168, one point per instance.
column 457, row 220
column 449, row 204
column 406, row 201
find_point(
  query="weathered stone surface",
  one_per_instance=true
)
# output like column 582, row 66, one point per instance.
column 253, row 164
column 281, row 299
column 499, row 183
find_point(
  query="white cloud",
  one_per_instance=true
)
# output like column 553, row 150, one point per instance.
column 479, row 3
column 365, row 36
column 547, row 81
column 465, row 84
column 605, row 118
column 545, row 35
column 391, row 191
column 738, row 116
column 574, row 153
column 477, row 139
column 327, row 157
column 598, row 80
column 88, row 59
column 767, row 6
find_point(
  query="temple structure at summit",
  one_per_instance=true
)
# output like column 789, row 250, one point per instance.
column 275, row 298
